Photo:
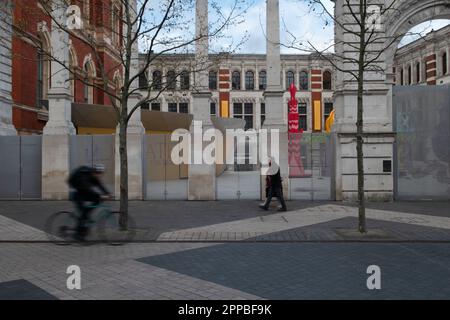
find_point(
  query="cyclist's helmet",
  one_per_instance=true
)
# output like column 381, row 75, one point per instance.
column 99, row 168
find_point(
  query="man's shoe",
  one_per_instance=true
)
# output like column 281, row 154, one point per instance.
column 281, row 209
column 261, row 206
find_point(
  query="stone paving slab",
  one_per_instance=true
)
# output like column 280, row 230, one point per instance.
column 107, row 272
column 318, row 271
column 13, row 230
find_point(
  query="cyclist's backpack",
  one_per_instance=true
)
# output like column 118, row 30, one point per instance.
column 75, row 178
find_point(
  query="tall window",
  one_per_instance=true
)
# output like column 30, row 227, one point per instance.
column 444, row 64
column 88, row 89
column 173, row 107
column 418, row 72
column 115, row 26
column 304, row 81
column 183, row 107
column 184, row 80
column 86, row 10
column 157, row 80
column 262, row 80
column 328, row 107
column 290, row 79
column 327, row 80
column 40, row 78
column 244, row 112
column 402, row 77
column 249, row 80
column 236, row 80
column 143, row 81
column 303, row 116
column 409, row 75
column 263, row 113
column 212, row 80
column 156, row 106
column 213, row 109
column 171, row 80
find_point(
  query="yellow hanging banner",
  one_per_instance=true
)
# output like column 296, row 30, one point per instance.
column 224, row 110
column 317, row 114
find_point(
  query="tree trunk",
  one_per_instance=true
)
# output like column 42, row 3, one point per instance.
column 360, row 153
column 123, row 173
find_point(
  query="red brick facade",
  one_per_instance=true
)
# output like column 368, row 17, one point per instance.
column 28, row 115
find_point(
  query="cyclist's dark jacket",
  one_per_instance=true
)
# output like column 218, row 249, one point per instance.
column 84, row 181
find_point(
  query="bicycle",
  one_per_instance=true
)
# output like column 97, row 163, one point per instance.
column 61, row 227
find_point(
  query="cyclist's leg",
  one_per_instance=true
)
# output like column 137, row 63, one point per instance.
column 80, row 202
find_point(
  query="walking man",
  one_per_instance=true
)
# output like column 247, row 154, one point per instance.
column 274, row 189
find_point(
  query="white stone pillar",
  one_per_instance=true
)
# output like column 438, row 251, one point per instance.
column 55, row 140
column 135, row 134
column 274, row 93
column 202, row 177
column 6, row 125
column 378, row 135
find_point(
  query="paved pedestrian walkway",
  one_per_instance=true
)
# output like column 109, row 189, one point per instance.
column 312, row 222
column 233, row 251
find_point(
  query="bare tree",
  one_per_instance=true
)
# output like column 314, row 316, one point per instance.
column 360, row 20
column 156, row 28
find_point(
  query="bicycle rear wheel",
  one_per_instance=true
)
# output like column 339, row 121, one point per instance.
column 109, row 230
column 61, row 226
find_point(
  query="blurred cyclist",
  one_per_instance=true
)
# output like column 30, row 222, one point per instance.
column 89, row 192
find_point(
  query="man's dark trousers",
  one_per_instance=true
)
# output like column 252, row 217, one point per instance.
column 278, row 193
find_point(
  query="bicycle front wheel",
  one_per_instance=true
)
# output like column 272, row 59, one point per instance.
column 110, row 231
column 61, row 226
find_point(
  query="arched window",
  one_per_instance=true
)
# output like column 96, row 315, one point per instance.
column 262, row 80
column 85, row 84
column 304, row 80
column 88, row 89
column 418, row 72
column 444, row 64
column 171, row 80
column 290, row 79
column 249, row 80
column 43, row 72
column 327, row 80
column 184, row 80
column 236, row 80
column 212, row 80
column 157, row 80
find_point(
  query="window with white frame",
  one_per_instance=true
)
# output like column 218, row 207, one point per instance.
column 213, row 109
column 115, row 25
column 303, row 116
column 244, row 111
column 263, row 113
column 328, row 107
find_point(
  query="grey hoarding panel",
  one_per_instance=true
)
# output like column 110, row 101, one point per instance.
column 422, row 124
column 31, row 167
column 310, row 166
column 104, row 153
column 80, row 151
column 154, row 166
column 10, row 168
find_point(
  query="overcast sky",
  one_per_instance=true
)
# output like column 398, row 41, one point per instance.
column 296, row 18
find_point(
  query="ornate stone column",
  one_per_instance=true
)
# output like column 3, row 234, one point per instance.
column 202, row 177
column 55, row 140
column 6, row 125
column 275, row 107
